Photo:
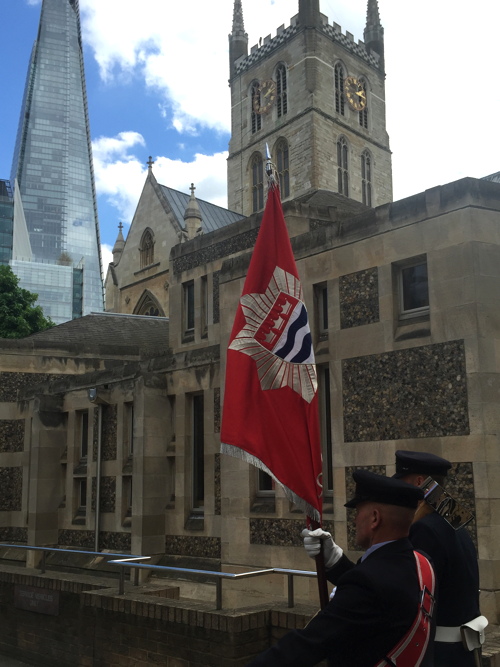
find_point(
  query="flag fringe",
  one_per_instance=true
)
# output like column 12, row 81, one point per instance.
column 241, row 454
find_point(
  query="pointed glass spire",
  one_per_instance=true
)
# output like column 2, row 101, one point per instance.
column 53, row 166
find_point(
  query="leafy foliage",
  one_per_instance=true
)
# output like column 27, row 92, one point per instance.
column 19, row 317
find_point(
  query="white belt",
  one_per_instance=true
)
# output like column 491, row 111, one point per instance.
column 448, row 634
column 471, row 634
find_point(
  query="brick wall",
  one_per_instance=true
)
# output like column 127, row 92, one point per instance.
column 95, row 627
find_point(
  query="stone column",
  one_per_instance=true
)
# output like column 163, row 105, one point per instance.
column 48, row 440
column 150, row 472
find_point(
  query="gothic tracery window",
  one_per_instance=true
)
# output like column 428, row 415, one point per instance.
column 339, row 89
column 343, row 166
column 148, row 305
column 255, row 98
column 257, row 166
column 366, row 177
column 363, row 114
column 283, row 167
column 281, row 91
column 147, row 248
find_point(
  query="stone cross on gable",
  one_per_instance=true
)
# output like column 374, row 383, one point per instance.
column 150, row 163
column 120, row 226
column 192, row 188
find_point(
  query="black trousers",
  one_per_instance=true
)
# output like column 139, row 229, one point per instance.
column 452, row 655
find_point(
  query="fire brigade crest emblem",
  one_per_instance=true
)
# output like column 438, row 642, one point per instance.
column 277, row 336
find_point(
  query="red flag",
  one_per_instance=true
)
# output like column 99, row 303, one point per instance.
column 270, row 415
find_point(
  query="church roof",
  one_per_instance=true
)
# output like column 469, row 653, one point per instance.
column 127, row 334
column 213, row 217
column 492, row 177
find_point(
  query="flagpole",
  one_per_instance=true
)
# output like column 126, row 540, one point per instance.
column 320, row 559
column 321, row 571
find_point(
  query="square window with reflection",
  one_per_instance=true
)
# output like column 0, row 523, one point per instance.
column 82, row 494
column 413, row 289
column 188, row 289
column 83, row 434
column 265, row 484
column 264, row 501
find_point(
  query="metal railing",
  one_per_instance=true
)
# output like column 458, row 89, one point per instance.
column 123, row 561
column 42, row 566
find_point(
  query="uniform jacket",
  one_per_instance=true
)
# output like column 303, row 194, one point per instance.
column 374, row 605
column 455, row 563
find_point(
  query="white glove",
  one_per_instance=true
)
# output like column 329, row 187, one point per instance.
column 332, row 553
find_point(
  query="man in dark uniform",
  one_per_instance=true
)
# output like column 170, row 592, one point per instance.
column 376, row 603
column 452, row 554
column 454, row 558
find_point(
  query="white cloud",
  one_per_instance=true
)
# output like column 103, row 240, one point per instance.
column 207, row 172
column 184, row 57
column 106, row 257
column 440, row 60
column 120, row 175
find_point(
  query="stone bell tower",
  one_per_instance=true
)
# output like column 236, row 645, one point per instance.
column 317, row 98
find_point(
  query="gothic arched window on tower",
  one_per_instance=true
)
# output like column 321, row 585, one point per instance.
column 366, row 177
column 281, row 91
column 147, row 248
column 257, row 165
column 255, row 102
column 283, row 167
column 339, row 89
column 343, row 166
column 363, row 114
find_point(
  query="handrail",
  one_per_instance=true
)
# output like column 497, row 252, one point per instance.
column 44, row 550
column 123, row 561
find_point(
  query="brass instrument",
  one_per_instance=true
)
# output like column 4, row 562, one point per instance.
column 440, row 501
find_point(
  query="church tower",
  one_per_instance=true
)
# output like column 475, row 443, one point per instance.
column 317, row 98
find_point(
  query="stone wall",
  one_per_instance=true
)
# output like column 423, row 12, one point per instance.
column 12, row 383
column 413, row 393
column 84, row 539
column 193, row 547
column 281, row 532
column 11, row 435
column 359, row 298
column 11, row 489
column 12, row 535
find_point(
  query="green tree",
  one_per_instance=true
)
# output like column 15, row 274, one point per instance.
column 19, row 317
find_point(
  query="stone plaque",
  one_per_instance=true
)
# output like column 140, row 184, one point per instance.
column 40, row 600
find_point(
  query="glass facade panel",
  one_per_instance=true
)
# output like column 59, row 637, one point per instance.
column 53, row 158
column 57, row 287
column 6, row 222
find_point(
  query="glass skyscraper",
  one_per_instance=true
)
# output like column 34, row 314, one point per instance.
column 53, row 167
column 6, row 222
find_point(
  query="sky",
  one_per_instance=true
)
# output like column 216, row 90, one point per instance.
column 157, row 85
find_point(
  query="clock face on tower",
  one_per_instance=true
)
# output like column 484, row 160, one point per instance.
column 355, row 93
column 264, row 96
